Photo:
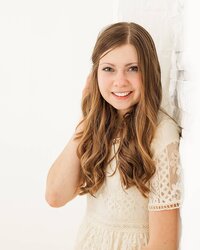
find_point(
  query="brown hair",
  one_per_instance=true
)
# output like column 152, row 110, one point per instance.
column 101, row 122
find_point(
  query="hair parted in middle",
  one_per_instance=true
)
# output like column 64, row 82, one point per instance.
column 101, row 122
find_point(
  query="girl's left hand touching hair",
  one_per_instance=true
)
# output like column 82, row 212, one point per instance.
column 87, row 85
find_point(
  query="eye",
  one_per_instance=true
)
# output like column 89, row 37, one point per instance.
column 133, row 68
column 108, row 69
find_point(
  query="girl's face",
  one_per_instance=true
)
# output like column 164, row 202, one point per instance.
column 119, row 78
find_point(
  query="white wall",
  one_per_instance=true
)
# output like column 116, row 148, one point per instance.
column 45, row 49
column 191, row 133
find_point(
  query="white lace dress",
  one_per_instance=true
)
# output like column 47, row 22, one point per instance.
column 117, row 219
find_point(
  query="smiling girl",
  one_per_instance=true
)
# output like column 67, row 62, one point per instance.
column 124, row 154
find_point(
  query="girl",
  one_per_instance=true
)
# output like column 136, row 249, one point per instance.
column 124, row 154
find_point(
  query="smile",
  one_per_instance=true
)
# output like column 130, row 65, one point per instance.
column 122, row 94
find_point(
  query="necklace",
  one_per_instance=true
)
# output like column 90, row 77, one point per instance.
column 116, row 140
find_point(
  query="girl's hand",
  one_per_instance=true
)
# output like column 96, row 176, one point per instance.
column 86, row 89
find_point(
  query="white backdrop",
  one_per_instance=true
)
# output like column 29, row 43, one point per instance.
column 45, row 49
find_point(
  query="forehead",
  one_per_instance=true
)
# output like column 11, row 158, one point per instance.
column 123, row 54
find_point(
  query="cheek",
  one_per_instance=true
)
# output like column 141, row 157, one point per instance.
column 103, row 81
column 138, row 81
column 99, row 80
column 101, row 84
column 139, row 84
column 101, row 77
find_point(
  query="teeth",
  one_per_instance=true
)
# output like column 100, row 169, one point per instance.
column 122, row 93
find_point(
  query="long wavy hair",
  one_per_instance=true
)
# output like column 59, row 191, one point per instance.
column 101, row 123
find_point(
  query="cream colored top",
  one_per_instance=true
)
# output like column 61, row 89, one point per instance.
column 117, row 219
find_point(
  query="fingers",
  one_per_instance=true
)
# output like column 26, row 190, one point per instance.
column 87, row 85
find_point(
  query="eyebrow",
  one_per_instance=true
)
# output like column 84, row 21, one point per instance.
column 128, row 64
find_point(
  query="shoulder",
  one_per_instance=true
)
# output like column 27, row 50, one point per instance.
column 167, row 132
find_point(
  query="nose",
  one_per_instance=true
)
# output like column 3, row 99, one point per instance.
column 120, row 79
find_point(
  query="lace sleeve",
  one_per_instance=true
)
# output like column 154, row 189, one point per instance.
column 165, row 185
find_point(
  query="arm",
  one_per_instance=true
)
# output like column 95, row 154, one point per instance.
column 64, row 176
column 164, row 230
column 165, row 197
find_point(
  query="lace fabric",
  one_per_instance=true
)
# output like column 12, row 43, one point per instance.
column 95, row 235
column 165, row 186
column 117, row 219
